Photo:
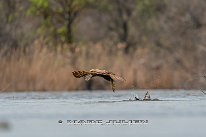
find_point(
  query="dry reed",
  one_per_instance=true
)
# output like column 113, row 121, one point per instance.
column 41, row 69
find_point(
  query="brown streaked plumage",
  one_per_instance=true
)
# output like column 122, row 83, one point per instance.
column 109, row 76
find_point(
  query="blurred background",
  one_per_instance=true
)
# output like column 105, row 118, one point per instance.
column 154, row 44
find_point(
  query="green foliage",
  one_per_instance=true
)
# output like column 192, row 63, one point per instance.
column 146, row 8
column 62, row 30
column 47, row 23
column 58, row 16
column 10, row 18
column 105, row 5
column 79, row 3
column 148, row 11
column 38, row 6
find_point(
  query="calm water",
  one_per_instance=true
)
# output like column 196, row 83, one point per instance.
column 32, row 114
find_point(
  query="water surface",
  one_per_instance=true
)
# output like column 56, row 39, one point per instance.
column 179, row 113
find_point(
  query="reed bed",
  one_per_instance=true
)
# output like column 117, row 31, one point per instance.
column 40, row 68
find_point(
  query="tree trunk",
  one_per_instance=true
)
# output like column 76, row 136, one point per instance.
column 125, row 31
column 69, row 28
column 124, row 37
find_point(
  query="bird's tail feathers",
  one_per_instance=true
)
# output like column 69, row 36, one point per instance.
column 79, row 74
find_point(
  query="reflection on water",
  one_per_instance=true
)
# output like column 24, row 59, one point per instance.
column 176, row 113
column 4, row 125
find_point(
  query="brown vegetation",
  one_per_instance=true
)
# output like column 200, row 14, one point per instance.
column 41, row 69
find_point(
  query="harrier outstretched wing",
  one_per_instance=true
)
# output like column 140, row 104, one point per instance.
column 109, row 76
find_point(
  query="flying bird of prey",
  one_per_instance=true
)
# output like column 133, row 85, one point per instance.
column 109, row 76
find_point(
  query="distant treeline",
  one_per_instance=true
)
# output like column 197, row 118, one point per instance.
column 152, row 43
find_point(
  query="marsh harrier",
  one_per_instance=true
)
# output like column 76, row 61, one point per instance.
column 109, row 76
